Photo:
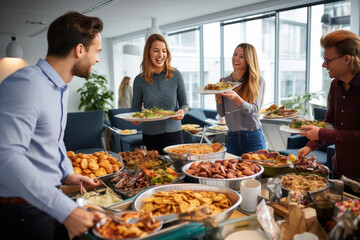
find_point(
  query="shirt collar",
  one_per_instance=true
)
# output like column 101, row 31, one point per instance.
column 355, row 81
column 50, row 72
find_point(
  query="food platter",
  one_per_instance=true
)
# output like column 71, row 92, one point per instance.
column 287, row 128
column 280, row 112
column 104, row 223
column 232, row 183
column 128, row 117
column 219, row 128
column 279, row 117
column 233, row 196
column 327, row 185
column 202, row 90
column 127, row 132
column 87, row 166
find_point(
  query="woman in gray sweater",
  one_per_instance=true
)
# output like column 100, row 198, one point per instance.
column 162, row 86
column 241, row 105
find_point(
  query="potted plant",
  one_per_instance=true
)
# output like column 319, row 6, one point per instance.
column 300, row 102
column 94, row 94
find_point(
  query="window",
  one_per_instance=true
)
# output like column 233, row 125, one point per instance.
column 333, row 16
column 185, row 51
column 292, row 53
column 293, row 69
column 127, row 63
column 260, row 32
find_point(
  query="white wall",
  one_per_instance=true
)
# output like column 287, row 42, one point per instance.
column 36, row 47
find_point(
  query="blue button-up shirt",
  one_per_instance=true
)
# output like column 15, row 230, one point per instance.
column 33, row 161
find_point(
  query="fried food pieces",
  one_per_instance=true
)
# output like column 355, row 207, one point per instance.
column 302, row 183
column 94, row 165
column 192, row 128
column 122, row 229
column 130, row 159
column 195, row 149
column 163, row 203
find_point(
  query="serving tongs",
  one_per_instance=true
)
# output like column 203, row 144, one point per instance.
column 205, row 128
column 136, row 174
column 109, row 212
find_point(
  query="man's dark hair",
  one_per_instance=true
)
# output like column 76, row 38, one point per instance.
column 69, row 30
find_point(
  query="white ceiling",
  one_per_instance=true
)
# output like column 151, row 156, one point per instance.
column 119, row 17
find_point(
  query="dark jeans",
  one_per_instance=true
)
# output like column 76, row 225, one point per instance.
column 24, row 221
column 241, row 142
column 160, row 141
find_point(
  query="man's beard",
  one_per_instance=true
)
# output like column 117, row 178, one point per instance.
column 82, row 69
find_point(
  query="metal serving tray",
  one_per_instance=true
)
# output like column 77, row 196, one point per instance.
column 233, row 183
column 233, row 196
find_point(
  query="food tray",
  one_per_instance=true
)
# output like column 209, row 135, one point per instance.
column 233, row 183
column 103, row 221
column 133, row 192
column 165, row 162
column 233, row 196
column 180, row 160
column 101, row 190
column 285, row 191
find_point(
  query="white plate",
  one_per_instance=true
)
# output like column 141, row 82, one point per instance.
column 219, row 128
column 127, row 132
column 201, row 90
column 257, row 234
column 286, row 128
column 128, row 117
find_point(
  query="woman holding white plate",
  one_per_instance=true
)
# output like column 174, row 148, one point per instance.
column 162, row 86
column 241, row 105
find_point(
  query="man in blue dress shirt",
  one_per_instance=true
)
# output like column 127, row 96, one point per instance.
column 33, row 111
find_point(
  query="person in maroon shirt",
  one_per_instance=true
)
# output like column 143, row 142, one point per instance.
column 342, row 60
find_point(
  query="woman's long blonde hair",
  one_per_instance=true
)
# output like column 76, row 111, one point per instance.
column 250, row 87
column 124, row 82
column 146, row 65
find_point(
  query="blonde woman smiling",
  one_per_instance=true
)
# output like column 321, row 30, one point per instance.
column 241, row 105
column 162, row 86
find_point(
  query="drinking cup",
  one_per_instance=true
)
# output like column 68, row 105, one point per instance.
column 324, row 210
column 250, row 189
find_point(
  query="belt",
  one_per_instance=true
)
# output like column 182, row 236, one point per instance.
column 12, row 200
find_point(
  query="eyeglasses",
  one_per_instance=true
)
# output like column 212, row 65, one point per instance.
column 327, row 61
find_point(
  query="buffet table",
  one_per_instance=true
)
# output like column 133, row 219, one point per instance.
column 239, row 219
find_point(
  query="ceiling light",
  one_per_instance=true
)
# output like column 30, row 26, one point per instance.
column 14, row 49
column 154, row 28
column 131, row 49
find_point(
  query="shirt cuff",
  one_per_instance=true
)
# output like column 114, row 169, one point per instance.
column 327, row 135
column 63, row 206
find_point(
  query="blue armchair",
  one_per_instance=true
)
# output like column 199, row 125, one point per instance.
column 120, row 143
column 83, row 132
column 324, row 154
column 199, row 116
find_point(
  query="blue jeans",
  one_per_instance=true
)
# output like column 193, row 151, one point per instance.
column 241, row 142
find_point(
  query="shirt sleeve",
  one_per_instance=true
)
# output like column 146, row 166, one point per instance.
column 253, row 108
column 18, row 175
column 330, row 113
column 137, row 95
column 181, row 94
